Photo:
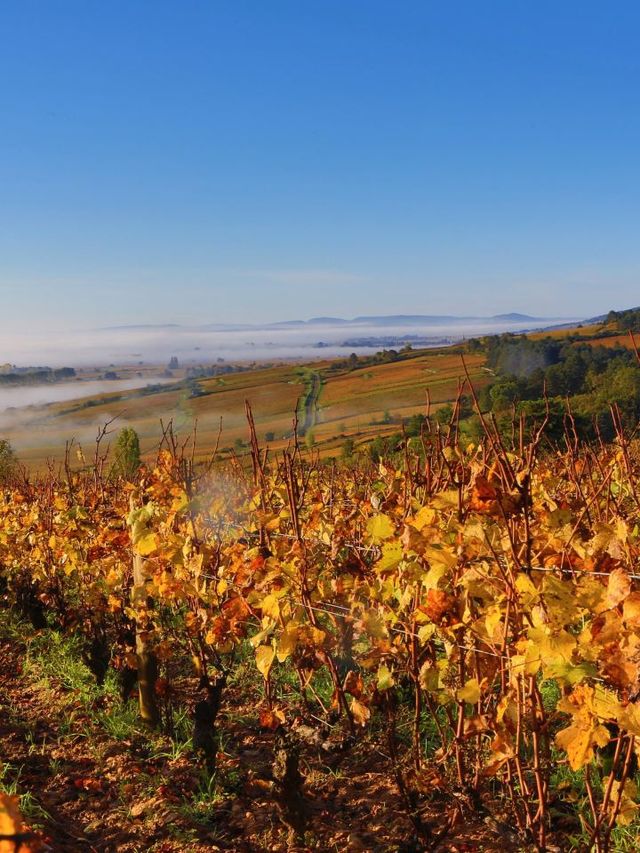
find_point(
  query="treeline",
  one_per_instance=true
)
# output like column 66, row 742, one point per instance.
column 37, row 376
column 564, row 378
column 625, row 321
column 384, row 356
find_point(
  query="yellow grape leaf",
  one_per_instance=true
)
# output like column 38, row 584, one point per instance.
column 317, row 636
column 560, row 601
column 631, row 610
column 476, row 725
column 433, row 577
column 147, row 544
column 618, row 588
column 426, row 632
column 590, row 594
column 258, row 638
column 385, row 679
column 629, row 718
column 594, row 701
column 137, row 520
column 270, row 607
column 526, row 588
column 567, row 674
column 507, row 707
column 379, row 528
column 604, row 534
column 502, row 751
column 429, row 677
column 360, row 712
column 493, row 619
column 579, row 740
column 438, row 555
column 391, row 556
column 287, row 642
column 264, row 659
column 628, row 805
column 180, row 503
column 470, row 692
column 546, row 649
column 412, row 540
column 445, row 500
column 374, row 625
column 423, row 518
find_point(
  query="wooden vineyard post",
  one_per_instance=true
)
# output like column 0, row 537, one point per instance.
column 146, row 659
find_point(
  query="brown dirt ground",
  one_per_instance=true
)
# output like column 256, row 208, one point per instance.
column 103, row 794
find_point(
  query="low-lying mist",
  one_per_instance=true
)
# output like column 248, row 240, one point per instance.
column 41, row 395
column 195, row 345
column 25, row 416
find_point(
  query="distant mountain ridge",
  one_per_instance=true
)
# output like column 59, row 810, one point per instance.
column 411, row 320
column 372, row 320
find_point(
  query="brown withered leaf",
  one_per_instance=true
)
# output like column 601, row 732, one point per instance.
column 353, row 684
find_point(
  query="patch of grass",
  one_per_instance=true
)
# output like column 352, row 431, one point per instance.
column 550, row 692
column 204, row 806
column 9, row 776
column 52, row 657
column 624, row 839
column 29, row 807
column 120, row 721
column 54, row 660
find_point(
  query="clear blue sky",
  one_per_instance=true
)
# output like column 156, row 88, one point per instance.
column 272, row 159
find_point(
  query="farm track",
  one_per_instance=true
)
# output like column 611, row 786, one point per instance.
column 311, row 403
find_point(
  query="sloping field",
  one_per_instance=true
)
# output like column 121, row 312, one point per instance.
column 622, row 340
column 361, row 402
column 590, row 335
column 581, row 331
column 41, row 433
column 398, row 389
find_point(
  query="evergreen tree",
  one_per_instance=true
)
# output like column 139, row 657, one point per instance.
column 8, row 460
column 127, row 453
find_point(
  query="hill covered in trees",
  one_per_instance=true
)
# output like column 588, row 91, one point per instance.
column 586, row 380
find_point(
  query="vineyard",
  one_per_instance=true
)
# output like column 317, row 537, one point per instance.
column 454, row 633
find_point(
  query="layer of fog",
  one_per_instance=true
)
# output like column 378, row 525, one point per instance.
column 192, row 345
column 41, row 395
column 26, row 407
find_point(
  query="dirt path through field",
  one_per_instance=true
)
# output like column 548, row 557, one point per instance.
column 311, row 404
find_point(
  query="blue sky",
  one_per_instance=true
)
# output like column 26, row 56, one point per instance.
column 254, row 161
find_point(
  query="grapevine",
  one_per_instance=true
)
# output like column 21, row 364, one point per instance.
column 475, row 611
